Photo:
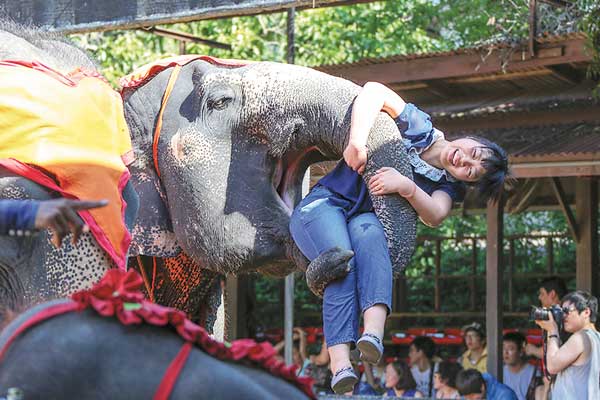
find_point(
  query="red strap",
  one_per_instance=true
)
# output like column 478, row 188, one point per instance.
column 172, row 373
column 41, row 316
column 170, row 84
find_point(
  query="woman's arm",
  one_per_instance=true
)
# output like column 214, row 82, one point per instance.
column 373, row 98
column 431, row 209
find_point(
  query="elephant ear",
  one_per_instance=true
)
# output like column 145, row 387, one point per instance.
column 153, row 232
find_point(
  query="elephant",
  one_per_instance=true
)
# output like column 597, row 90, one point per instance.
column 99, row 345
column 219, row 181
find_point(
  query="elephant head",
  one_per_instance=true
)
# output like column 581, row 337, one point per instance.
column 228, row 161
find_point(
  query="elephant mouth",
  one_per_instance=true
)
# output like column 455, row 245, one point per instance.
column 289, row 175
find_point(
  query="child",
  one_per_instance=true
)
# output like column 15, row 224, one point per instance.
column 338, row 212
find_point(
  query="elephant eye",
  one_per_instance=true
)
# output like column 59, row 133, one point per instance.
column 219, row 104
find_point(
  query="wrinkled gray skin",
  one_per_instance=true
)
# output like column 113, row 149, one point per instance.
column 232, row 153
column 86, row 356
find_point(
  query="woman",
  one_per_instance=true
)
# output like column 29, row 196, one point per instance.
column 444, row 380
column 476, row 355
column 399, row 382
column 338, row 212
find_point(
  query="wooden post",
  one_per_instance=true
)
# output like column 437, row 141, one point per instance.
column 532, row 27
column 511, row 270
column 236, row 322
column 494, row 287
column 586, row 201
column 472, row 283
column 438, row 267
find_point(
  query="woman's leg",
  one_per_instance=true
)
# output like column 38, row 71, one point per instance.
column 373, row 271
column 317, row 225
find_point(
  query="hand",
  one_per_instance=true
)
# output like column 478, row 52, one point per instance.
column 387, row 180
column 60, row 216
column 299, row 331
column 355, row 156
column 530, row 349
column 549, row 325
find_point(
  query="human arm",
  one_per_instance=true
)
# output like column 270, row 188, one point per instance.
column 323, row 357
column 58, row 215
column 559, row 358
column 432, row 209
column 372, row 99
column 533, row 350
column 302, row 349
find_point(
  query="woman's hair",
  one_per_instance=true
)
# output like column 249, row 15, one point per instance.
column 448, row 371
column 582, row 300
column 469, row 381
column 405, row 377
column 497, row 172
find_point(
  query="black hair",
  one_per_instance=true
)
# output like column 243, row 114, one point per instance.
column 554, row 283
column 516, row 337
column 448, row 372
column 582, row 300
column 469, row 381
column 405, row 377
column 425, row 344
column 497, row 172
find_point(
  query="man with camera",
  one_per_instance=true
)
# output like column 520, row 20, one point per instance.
column 577, row 361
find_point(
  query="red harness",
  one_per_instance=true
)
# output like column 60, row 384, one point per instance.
column 118, row 295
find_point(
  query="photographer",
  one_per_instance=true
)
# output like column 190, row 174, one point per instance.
column 577, row 362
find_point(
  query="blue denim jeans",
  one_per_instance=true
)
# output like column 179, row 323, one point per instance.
column 319, row 223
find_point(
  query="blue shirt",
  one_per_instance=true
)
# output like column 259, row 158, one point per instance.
column 496, row 390
column 17, row 215
column 417, row 131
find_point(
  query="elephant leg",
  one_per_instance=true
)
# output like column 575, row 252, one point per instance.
column 326, row 268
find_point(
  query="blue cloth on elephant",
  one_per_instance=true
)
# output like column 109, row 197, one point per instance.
column 418, row 134
column 17, row 215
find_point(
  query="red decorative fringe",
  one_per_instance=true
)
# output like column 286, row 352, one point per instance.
column 118, row 294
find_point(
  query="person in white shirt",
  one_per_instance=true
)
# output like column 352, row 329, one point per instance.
column 420, row 354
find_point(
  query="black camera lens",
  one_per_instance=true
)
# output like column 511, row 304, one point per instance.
column 539, row 314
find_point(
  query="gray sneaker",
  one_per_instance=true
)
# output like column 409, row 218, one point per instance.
column 344, row 380
column 370, row 347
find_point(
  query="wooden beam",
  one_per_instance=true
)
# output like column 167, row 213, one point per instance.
column 587, row 273
column 467, row 63
column 532, row 27
column 556, row 169
column 525, row 118
column 567, row 73
column 559, row 192
column 236, row 307
column 494, row 287
column 187, row 37
column 76, row 16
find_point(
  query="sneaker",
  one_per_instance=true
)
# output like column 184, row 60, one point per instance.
column 344, row 380
column 370, row 347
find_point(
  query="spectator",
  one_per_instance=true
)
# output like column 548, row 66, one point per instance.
column 550, row 292
column 577, row 362
column 318, row 369
column 420, row 354
column 473, row 385
column 444, row 380
column 476, row 354
column 299, row 357
column 374, row 375
column 399, row 382
column 519, row 375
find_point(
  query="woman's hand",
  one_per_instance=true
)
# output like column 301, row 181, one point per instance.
column 355, row 156
column 387, row 180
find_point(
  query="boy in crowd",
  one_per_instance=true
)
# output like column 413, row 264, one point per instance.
column 420, row 353
column 473, row 385
column 519, row 375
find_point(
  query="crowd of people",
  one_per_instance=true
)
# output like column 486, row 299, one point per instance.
column 529, row 372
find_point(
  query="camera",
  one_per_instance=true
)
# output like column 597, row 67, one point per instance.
column 543, row 314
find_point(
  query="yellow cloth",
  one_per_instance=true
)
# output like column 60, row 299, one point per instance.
column 480, row 365
column 75, row 130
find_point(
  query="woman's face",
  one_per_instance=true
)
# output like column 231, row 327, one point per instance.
column 391, row 376
column 473, row 340
column 437, row 381
column 462, row 158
